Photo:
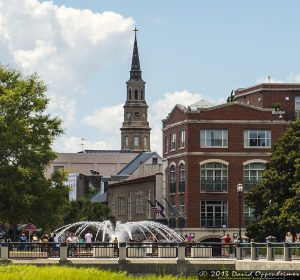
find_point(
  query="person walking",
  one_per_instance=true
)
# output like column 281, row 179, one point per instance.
column 227, row 245
column 88, row 241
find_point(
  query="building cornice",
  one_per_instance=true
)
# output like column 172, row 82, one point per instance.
column 220, row 154
column 268, row 122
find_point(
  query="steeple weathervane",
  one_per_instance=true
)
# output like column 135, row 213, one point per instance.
column 135, row 72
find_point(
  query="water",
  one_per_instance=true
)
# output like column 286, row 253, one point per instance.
column 105, row 231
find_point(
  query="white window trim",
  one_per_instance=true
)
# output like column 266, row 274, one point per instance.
column 254, row 161
column 257, row 147
column 204, row 146
column 214, row 160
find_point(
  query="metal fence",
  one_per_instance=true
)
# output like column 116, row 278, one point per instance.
column 254, row 251
column 93, row 250
column 33, row 250
column 210, row 250
column 152, row 250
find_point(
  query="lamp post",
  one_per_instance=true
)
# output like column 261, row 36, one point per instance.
column 239, row 189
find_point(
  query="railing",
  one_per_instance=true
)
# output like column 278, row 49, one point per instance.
column 252, row 251
column 211, row 222
column 93, row 250
column 210, row 250
column 213, row 185
column 33, row 250
column 250, row 184
column 151, row 250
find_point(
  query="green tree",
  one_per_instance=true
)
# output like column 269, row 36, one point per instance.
column 26, row 135
column 276, row 199
column 83, row 209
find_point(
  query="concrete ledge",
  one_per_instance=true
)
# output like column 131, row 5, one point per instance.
column 267, row 265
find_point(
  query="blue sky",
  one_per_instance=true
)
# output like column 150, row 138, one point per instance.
column 188, row 50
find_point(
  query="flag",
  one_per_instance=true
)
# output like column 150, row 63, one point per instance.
column 171, row 208
column 161, row 208
column 155, row 209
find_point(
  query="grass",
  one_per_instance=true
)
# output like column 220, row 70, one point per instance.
column 31, row 272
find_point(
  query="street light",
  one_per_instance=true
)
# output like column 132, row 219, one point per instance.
column 239, row 189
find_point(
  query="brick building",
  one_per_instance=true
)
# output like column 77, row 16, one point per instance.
column 141, row 180
column 209, row 150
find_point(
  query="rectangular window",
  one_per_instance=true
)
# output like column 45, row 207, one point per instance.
column 149, row 209
column 214, row 213
column 139, row 203
column 166, row 145
column 113, row 205
column 129, row 207
column 154, row 160
column 58, row 167
column 214, row 138
column 297, row 103
column 173, row 141
column 126, row 141
column 248, row 214
column 136, row 141
column 257, row 138
column 181, row 138
column 121, row 206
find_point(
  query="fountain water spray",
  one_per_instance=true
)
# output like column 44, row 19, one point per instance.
column 106, row 231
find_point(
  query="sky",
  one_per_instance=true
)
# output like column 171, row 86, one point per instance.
column 189, row 50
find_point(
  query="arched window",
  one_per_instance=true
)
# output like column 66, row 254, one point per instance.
column 129, row 94
column 181, row 178
column 253, row 174
column 136, row 94
column 172, row 179
column 213, row 177
column 142, row 95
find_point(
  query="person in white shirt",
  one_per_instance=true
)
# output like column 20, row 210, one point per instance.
column 88, row 240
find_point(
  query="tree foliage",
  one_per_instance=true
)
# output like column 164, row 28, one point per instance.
column 26, row 135
column 276, row 199
column 83, row 209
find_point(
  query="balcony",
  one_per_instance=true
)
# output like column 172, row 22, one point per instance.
column 213, row 222
column 217, row 185
column 250, row 184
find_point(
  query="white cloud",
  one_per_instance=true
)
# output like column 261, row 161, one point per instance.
column 75, row 144
column 160, row 109
column 293, row 78
column 107, row 119
column 61, row 44
column 268, row 79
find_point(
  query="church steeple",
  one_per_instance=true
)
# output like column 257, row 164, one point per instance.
column 135, row 72
column 135, row 130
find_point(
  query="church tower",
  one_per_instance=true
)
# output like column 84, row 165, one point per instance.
column 135, row 131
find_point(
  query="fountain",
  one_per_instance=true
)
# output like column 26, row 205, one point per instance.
column 105, row 231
